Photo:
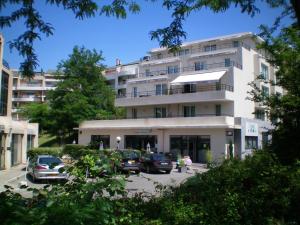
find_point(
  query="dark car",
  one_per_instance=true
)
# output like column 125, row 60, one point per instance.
column 130, row 160
column 154, row 162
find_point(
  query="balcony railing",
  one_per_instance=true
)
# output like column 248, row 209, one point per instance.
column 194, row 68
column 174, row 91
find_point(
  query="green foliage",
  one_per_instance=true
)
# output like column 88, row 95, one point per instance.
column 37, row 113
column 258, row 190
column 45, row 151
column 82, row 93
column 73, row 150
column 208, row 158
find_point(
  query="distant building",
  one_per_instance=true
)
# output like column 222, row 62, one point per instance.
column 30, row 90
column 191, row 101
column 16, row 137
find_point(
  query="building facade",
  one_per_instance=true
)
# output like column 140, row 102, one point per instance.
column 16, row 137
column 30, row 90
column 191, row 101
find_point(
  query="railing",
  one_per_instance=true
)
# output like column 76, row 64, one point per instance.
column 211, row 66
column 193, row 68
column 5, row 63
column 181, row 90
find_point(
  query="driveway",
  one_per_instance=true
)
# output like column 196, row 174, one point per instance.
column 142, row 183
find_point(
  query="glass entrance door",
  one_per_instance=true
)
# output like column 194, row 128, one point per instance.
column 16, row 151
column 191, row 145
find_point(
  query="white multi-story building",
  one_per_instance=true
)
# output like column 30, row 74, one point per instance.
column 191, row 101
column 16, row 137
column 30, row 90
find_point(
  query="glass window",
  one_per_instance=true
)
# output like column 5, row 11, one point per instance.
column 134, row 113
column 159, row 56
column 264, row 72
column 104, row 139
column 134, row 92
column 4, row 93
column 227, row 62
column 218, row 110
column 189, row 88
column 265, row 91
column 260, row 114
column 199, row 66
column 250, row 142
column 189, row 111
column 161, row 89
column 147, row 72
column 235, row 44
column 173, row 69
column 160, row 112
column 209, row 48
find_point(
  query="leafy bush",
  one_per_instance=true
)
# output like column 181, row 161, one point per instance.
column 75, row 151
column 55, row 151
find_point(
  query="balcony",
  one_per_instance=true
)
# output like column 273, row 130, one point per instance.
column 160, row 123
column 26, row 99
column 23, row 87
column 211, row 92
column 203, row 67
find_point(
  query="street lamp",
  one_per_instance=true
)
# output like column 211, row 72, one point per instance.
column 118, row 139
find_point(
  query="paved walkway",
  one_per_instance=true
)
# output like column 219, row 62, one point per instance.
column 11, row 175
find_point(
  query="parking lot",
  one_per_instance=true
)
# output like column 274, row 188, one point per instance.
column 142, row 183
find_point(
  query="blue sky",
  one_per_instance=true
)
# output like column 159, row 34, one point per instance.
column 126, row 39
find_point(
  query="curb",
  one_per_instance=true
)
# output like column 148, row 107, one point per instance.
column 15, row 178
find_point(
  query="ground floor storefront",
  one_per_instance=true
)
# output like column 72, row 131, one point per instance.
column 16, row 138
column 238, row 140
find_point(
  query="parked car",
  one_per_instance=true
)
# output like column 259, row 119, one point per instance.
column 154, row 162
column 46, row 167
column 130, row 160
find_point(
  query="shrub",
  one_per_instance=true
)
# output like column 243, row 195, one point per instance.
column 55, row 151
column 75, row 151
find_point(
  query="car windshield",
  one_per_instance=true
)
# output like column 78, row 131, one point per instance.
column 159, row 157
column 49, row 160
column 130, row 155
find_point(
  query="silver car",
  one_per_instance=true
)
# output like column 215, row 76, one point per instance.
column 46, row 167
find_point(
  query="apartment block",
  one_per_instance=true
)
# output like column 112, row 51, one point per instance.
column 16, row 137
column 190, row 101
column 30, row 90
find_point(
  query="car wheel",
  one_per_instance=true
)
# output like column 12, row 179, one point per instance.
column 168, row 171
column 148, row 169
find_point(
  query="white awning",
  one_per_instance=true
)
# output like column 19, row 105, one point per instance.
column 212, row 76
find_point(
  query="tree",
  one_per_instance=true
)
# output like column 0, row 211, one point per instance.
column 170, row 36
column 82, row 93
column 38, row 113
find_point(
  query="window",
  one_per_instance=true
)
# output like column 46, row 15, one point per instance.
column 173, row 69
column 189, row 88
column 147, row 73
column 265, row 139
column 160, row 112
column 134, row 113
column 182, row 52
column 159, row 56
column 250, row 142
column 189, row 111
column 161, row 89
column 134, row 92
column 264, row 72
column 235, row 44
column 227, row 62
column 265, row 91
column 103, row 140
column 260, row 114
column 200, row 66
column 4, row 94
column 218, row 110
column 209, row 48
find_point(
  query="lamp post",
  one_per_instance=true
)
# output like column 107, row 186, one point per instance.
column 118, row 139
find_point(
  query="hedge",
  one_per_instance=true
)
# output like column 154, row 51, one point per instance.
column 55, row 151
